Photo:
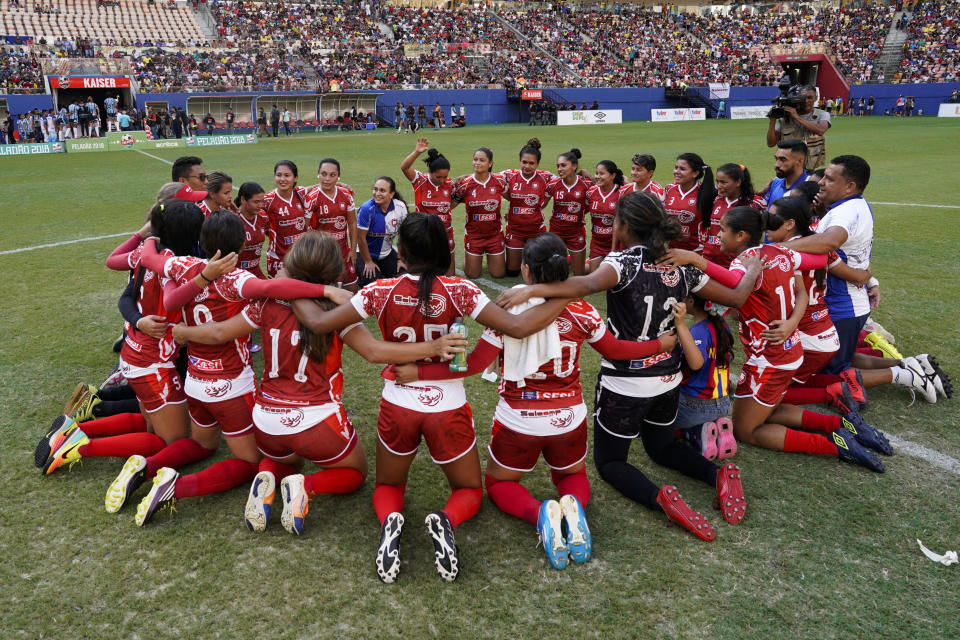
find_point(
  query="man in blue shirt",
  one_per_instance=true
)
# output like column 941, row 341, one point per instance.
column 788, row 165
column 124, row 121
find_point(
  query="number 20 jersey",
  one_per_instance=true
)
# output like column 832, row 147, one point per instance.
column 640, row 307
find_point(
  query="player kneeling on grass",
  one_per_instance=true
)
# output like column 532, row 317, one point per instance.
column 638, row 397
column 541, row 409
column 422, row 304
column 298, row 414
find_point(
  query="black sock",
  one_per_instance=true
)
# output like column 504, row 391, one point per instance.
column 113, row 407
column 512, row 273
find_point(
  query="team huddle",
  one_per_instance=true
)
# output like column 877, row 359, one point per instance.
column 791, row 262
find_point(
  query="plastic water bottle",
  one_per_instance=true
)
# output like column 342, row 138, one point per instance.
column 459, row 362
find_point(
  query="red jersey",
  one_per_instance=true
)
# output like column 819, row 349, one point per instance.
column 711, row 247
column 395, row 303
column 287, row 221
column 773, row 298
column 205, row 208
column 482, row 201
column 255, row 232
column 330, row 214
column 569, row 206
column 527, row 198
column 289, row 376
column 433, row 198
column 683, row 207
column 139, row 349
column 603, row 208
column 816, row 319
column 220, row 301
column 652, row 187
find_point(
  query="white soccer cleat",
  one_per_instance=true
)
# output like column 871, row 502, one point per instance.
column 921, row 384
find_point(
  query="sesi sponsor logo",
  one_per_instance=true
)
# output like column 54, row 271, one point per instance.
column 201, row 364
column 649, row 362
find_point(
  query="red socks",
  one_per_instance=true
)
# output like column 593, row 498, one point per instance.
column 575, row 484
column 177, row 454
column 800, row 442
column 339, row 480
column 216, row 478
column 806, row 395
column 463, row 504
column 115, row 425
column 812, row 421
column 388, row 498
column 278, row 469
column 122, row 446
column 823, row 379
column 513, row 498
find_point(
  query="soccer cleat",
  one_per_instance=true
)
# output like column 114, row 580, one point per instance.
column 872, row 326
column 941, row 381
column 162, row 494
column 852, row 451
column 81, row 391
column 867, row 435
column 920, row 383
column 132, row 475
column 841, row 398
column 726, row 442
column 679, row 512
column 855, row 385
column 704, row 439
column 115, row 379
column 260, row 501
column 61, row 424
column 730, row 500
column 579, row 542
column 446, row 558
column 550, row 528
column 878, row 342
column 296, row 503
column 64, row 447
column 388, row 551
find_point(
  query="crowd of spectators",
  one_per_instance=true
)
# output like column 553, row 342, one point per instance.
column 931, row 52
column 249, row 68
column 20, row 70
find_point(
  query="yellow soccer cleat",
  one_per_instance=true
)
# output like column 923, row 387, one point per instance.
column 878, row 342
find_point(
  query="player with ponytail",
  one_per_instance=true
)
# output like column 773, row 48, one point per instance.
column 569, row 193
column 602, row 200
column 689, row 199
column 432, row 191
column 249, row 204
column 527, row 196
column 734, row 189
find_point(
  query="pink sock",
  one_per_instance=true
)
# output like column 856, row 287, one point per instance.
column 115, row 425
column 218, row 477
column 388, row 498
column 177, row 454
column 463, row 504
column 513, row 498
column 575, row 484
column 340, row 480
column 123, row 446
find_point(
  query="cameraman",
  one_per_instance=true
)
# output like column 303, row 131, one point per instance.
column 808, row 124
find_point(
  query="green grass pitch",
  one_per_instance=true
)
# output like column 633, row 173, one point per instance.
column 826, row 551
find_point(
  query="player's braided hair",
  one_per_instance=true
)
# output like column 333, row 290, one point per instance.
column 424, row 248
column 314, row 257
column 647, row 221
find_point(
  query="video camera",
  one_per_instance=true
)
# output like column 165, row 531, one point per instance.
column 790, row 96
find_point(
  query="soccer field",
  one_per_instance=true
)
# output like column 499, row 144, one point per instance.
column 826, row 550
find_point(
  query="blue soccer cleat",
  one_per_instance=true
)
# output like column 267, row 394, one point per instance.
column 579, row 541
column 852, row 451
column 550, row 528
column 867, row 435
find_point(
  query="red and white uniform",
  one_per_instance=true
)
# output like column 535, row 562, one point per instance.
column 652, row 187
column 526, row 197
column 287, row 221
column 484, row 231
column 330, row 215
column 216, row 374
column 818, row 335
column 254, row 233
column 205, row 208
column 298, row 407
column 711, row 247
column 769, row 368
column 569, row 209
column 603, row 208
column 435, row 199
column 147, row 363
column 436, row 410
column 682, row 205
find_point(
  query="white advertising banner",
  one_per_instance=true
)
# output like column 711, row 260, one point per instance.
column 949, row 110
column 675, row 115
column 605, row 116
column 749, row 113
column 719, row 90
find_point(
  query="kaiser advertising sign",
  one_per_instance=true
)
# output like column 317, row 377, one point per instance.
column 94, row 82
column 605, row 116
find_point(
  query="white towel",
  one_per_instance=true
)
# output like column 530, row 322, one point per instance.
column 522, row 358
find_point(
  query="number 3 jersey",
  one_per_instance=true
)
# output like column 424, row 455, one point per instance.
column 640, row 307
column 551, row 400
column 395, row 303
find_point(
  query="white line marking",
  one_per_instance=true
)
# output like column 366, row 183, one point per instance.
column 150, row 155
column 937, row 459
column 60, row 244
column 917, row 204
column 483, row 282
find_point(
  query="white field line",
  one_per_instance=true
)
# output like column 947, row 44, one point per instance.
column 937, row 459
column 150, row 155
column 917, row 204
column 60, row 244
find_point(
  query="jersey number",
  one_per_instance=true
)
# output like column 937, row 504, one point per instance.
column 274, row 372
